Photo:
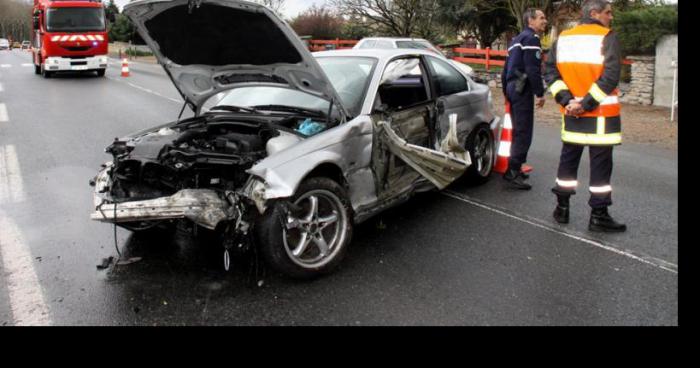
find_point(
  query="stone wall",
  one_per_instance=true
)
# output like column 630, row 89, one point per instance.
column 493, row 79
column 641, row 88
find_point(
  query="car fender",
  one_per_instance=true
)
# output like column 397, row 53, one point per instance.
column 347, row 146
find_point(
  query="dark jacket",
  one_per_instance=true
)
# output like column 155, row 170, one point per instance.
column 607, row 82
column 525, row 55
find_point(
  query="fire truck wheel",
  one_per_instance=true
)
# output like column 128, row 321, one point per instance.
column 101, row 72
column 45, row 73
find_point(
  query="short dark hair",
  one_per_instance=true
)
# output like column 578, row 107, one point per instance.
column 530, row 13
column 590, row 5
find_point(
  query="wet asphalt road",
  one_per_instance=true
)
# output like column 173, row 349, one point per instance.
column 468, row 256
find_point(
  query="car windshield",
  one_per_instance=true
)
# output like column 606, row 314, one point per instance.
column 348, row 75
column 75, row 19
column 414, row 44
column 265, row 96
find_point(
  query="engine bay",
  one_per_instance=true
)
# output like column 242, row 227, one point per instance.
column 211, row 155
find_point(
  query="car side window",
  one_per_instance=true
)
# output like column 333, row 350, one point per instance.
column 403, row 84
column 383, row 45
column 369, row 44
column 446, row 78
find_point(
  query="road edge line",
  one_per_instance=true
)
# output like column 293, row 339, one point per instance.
column 655, row 262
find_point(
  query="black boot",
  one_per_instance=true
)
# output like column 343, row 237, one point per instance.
column 516, row 180
column 603, row 222
column 561, row 212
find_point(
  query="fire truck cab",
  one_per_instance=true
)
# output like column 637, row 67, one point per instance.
column 69, row 35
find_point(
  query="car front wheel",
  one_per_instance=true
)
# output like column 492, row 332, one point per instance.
column 308, row 235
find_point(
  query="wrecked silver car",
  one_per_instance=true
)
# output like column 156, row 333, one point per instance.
column 288, row 150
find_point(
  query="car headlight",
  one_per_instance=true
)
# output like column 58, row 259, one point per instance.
column 103, row 179
column 254, row 189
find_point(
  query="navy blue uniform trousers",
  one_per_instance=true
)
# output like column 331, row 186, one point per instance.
column 522, row 110
column 601, row 158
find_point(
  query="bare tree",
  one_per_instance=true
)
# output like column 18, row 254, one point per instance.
column 319, row 22
column 555, row 11
column 274, row 5
column 15, row 19
column 394, row 17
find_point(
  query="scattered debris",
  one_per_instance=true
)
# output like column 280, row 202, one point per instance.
column 105, row 263
column 128, row 261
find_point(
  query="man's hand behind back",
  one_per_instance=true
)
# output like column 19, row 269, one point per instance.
column 539, row 101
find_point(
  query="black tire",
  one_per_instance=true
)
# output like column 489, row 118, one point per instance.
column 101, row 72
column 37, row 69
column 45, row 73
column 273, row 237
column 482, row 150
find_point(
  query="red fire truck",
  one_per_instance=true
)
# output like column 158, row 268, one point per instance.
column 69, row 35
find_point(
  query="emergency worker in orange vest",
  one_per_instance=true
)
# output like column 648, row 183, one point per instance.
column 582, row 71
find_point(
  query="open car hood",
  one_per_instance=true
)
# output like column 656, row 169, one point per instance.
column 209, row 46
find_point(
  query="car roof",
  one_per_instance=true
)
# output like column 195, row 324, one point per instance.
column 373, row 53
column 394, row 38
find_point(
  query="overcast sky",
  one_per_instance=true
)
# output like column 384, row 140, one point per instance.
column 291, row 7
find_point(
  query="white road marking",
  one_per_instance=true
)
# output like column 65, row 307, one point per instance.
column 5, row 65
column 147, row 90
column 11, row 184
column 3, row 113
column 655, row 262
column 27, row 64
column 26, row 297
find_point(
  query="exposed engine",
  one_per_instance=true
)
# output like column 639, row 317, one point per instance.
column 214, row 155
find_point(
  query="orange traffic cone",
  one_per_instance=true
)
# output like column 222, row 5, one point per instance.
column 504, row 146
column 125, row 68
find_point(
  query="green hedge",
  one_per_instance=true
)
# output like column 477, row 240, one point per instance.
column 638, row 30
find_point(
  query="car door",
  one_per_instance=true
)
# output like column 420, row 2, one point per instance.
column 405, row 104
column 452, row 93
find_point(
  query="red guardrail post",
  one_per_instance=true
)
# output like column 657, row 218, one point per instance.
column 488, row 58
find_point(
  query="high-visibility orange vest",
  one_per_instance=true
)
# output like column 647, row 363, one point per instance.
column 580, row 61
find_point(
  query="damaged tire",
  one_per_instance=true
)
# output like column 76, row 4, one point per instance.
column 308, row 235
column 482, row 151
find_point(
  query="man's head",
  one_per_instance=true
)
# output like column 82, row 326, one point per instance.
column 535, row 19
column 600, row 10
